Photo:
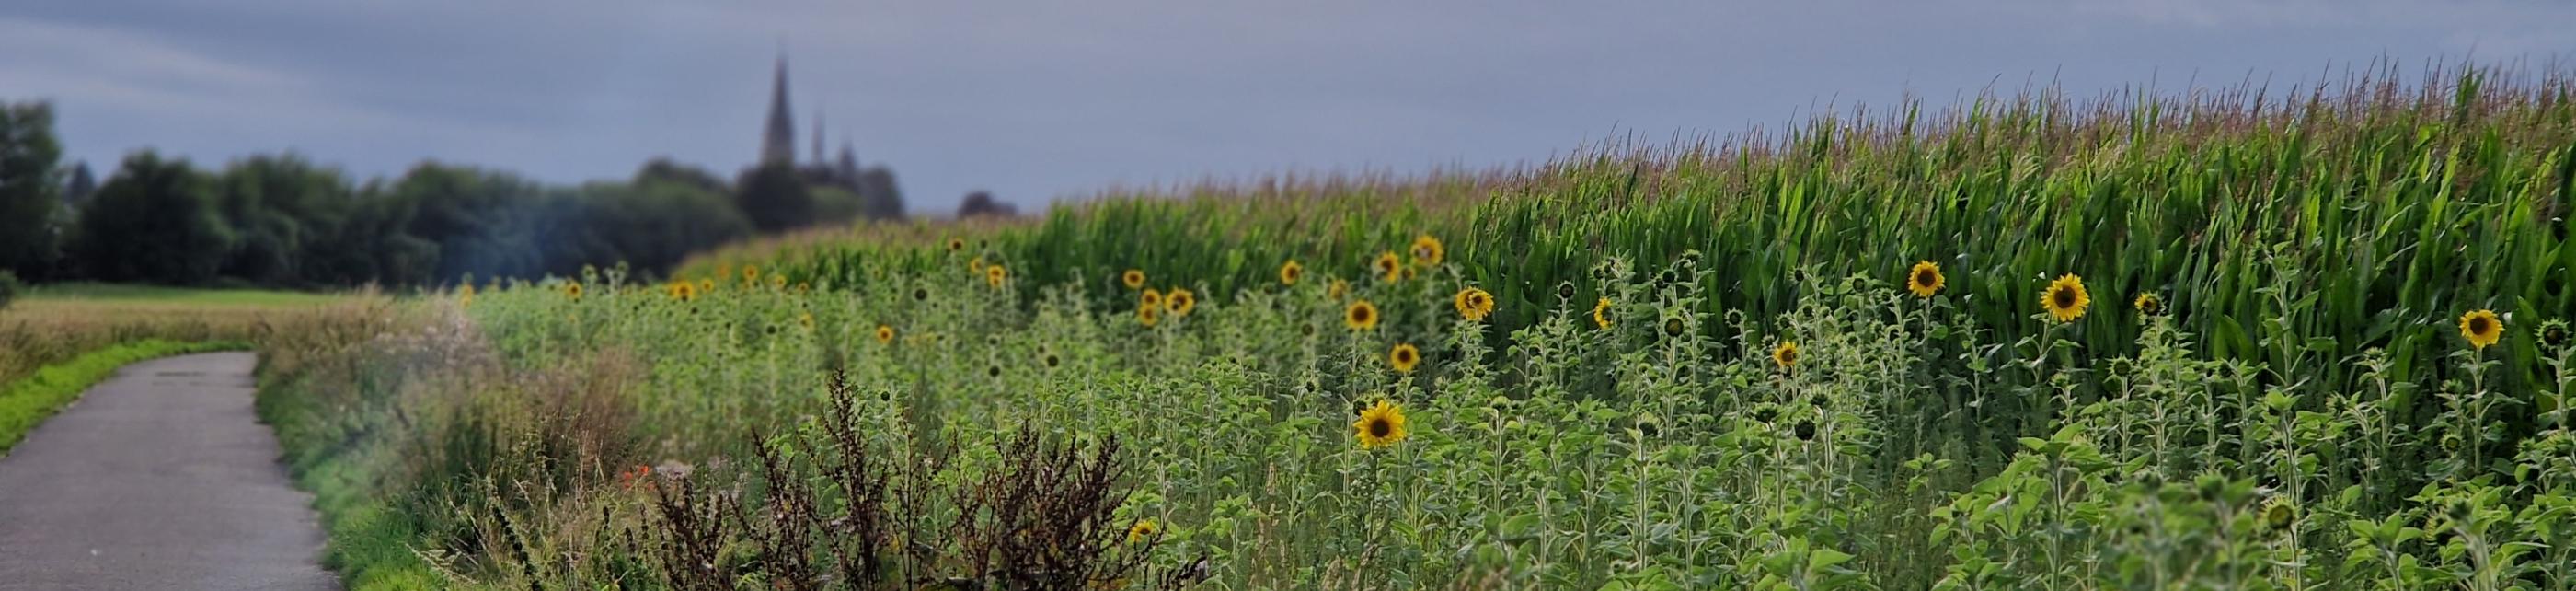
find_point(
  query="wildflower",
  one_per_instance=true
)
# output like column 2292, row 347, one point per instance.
column 995, row 274
column 2149, row 304
column 1361, row 315
column 1925, row 279
column 1142, row 531
column 1427, row 250
column 1473, row 304
column 1404, row 357
column 1388, row 267
column 2482, row 328
column 2066, row 298
column 1290, row 272
column 1601, row 313
column 1180, row 302
column 1133, row 278
column 1786, row 355
column 1338, row 289
column 1150, row 299
column 1148, row 315
column 885, row 334
column 1380, row 426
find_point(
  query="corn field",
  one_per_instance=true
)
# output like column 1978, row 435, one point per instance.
column 2310, row 340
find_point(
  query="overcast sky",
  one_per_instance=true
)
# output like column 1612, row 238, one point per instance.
column 1040, row 100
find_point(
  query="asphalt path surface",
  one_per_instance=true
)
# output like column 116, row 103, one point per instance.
column 158, row 478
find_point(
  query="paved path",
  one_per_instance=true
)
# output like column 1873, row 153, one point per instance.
column 158, row 478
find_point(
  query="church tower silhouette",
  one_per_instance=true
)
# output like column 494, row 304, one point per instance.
column 778, row 146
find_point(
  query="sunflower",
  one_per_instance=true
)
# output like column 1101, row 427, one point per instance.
column 1338, row 289
column 777, row 281
column 2149, row 304
column 572, row 290
column 1601, row 313
column 1380, row 426
column 465, row 297
column 2482, row 328
column 1151, row 298
column 751, row 274
column 1674, row 326
column 994, row 275
column 707, row 286
column 2279, row 512
column 1051, row 360
column 802, row 287
column 1805, row 430
column 920, row 294
column 1142, row 531
column 956, row 244
column 1925, row 279
column 1404, row 357
column 806, row 319
column 975, row 264
column 684, row 291
column 1427, row 250
column 2553, row 333
column 1388, row 267
column 1361, row 315
column 1473, row 304
column 1290, row 272
column 1180, row 302
column 1786, row 355
column 2066, row 298
column 885, row 333
column 1133, row 278
column 1148, row 315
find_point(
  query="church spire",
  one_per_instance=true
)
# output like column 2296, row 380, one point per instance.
column 818, row 136
column 779, row 144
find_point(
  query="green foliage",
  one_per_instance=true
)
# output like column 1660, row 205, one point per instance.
column 154, row 220
column 31, row 399
column 10, row 287
column 28, row 189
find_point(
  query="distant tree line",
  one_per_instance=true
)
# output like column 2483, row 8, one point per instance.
column 281, row 221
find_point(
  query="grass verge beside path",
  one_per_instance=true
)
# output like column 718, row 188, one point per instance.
column 29, row 401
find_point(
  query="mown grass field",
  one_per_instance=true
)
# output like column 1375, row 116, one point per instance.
column 2234, row 340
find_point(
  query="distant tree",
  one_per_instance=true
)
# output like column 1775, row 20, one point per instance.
column 663, row 169
column 28, row 188
column 774, row 197
column 981, row 203
column 653, row 224
column 835, row 205
column 275, row 205
column 152, row 222
column 877, row 190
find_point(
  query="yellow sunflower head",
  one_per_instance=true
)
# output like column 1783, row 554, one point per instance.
column 975, row 264
column 777, row 281
column 994, row 275
column 2066, row 298
column 1473, row 303
column 1290, row 272
column 572, row 290
column 1925, row 279
column 1133, row 278
column 1601, row 313
column 707, row 286
column 1785, row 355
column 1388, row 267
column 2149, row 304
column 2482, row 328
column 1148, row 315
column 684, row 291
column 806, row 319
column 1361, row 315
column 1151, row 298
column 1180, row 302
column 1427, row 250
column 465, row 297
column 751, row 274
column 1380, row 426
column 956, row 244
column 1337, row 289
column 1142, row 531
column 1404, row 357
column 885, row 333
